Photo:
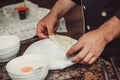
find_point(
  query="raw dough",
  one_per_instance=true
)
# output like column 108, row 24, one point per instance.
column 62, row 41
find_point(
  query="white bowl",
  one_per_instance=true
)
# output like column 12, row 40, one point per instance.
column 9, row 47
column 8, row 55
column 8, row 42
column 15, row 66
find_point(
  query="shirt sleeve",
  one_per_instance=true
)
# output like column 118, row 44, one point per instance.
column 77, row 1
column 118, row 14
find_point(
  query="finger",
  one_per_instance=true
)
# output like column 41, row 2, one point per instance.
column 41, row 35
column 92, row 60
column 81, row 55
column 41, row 31
column 87, row 58
column 98, row 51
column 74, row 49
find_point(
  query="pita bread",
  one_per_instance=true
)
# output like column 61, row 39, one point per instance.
column 62, row 41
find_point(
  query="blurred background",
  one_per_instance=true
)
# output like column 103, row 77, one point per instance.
column 10, row 23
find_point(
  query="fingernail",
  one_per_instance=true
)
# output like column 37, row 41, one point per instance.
column 68, row 55
column 82, row 62
column 73, row 60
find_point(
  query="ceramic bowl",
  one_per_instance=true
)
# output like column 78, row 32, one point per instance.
column 37, row 67
column 9, row 47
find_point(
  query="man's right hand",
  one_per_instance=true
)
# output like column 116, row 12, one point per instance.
column 47, row 26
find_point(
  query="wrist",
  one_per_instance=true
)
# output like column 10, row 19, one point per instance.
column 55, row 15
column 61, row 7
column 110, row 29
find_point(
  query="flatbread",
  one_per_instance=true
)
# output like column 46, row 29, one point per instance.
column 62, row 41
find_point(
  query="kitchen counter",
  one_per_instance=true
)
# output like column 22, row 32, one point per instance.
column 75, row 72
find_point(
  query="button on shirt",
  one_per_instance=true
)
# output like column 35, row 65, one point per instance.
column 96, row 12
column 104, row 14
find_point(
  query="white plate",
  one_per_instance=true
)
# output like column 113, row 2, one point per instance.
column 55, row 54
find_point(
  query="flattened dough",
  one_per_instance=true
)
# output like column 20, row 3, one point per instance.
column 62, row 41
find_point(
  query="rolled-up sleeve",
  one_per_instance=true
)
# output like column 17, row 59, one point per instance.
column 77, row 1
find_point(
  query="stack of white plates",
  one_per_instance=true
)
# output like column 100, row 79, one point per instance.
column 9, row 47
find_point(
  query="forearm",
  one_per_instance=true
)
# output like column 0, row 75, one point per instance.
column 110, row 29
column 61, row 7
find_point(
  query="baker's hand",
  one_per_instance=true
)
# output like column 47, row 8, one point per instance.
column 90, row 47
column 47, row 26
